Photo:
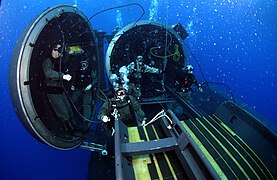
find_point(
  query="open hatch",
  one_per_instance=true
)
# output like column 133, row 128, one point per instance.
column 71, row 28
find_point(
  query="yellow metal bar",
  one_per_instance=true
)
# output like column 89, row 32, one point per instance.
column 205, row 152
column 224, row 148
column 166, row 157
column 139, row 162
column 233, row 134
column 154, row 157
column 233, row 147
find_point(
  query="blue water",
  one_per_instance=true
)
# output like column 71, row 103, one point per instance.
column 234, row 41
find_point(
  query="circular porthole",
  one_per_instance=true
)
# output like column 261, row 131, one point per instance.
column 160, row 46
column 70, row 27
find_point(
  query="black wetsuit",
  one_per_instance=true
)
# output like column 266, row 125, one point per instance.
column 54, row 90
column 184, row 81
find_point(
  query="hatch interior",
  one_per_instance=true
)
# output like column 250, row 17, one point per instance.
column 69, row 27
column 160, row 46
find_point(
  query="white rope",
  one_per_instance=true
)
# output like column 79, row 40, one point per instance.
column 161, row 114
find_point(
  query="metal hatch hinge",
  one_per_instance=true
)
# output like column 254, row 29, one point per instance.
column 94, row 147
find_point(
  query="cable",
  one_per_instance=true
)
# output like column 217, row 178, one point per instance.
column 166, row 45
column 106, row 98
column 206, row 82
column 166, row 39
column 212, row 103
column 232, row 96
column 116, row 7
column 176, row 55
column 159, row 115
column 155, row 98
column 61, row 82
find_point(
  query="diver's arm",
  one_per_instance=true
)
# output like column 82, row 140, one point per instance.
column 94, row 78
column 194, row 81
column 131, row 67
column 94, row 81
column 198, row 85
column 48, row 70
column 103, row 110
column 148, row 69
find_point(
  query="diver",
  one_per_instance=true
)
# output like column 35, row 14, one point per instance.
column 85, row 82
column 128, row 108
column 135, row 73
column 185, row 79
column 55, row 92
column 121, row 78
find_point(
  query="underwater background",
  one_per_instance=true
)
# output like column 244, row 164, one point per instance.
column 235, row 42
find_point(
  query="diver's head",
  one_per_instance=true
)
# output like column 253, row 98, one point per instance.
column 189, row 69
column 121, row 93
column 56, row 51
column 139, row 60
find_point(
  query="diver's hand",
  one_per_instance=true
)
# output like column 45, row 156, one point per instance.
column 143, row 122
column 201, row 90
column 88, row 87
column 67, row 77
column 105, row 119
column 113, row 131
